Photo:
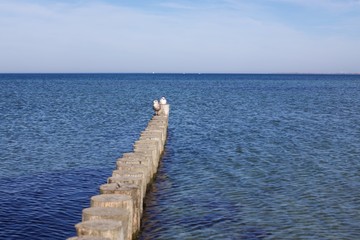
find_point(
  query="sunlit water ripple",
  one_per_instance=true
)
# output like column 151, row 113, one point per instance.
column 248, row 156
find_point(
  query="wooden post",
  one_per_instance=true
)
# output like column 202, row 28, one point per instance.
column 107, row 213
column 131, row 190
column 116, row 201
column 88, row 238
column 110, row 229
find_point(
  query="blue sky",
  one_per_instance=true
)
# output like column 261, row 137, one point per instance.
column 269, row 36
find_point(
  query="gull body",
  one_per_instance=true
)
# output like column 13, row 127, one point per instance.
column 163, row 101
column 156, row 106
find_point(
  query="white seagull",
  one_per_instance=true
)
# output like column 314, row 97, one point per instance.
column 156, row 106
column 163, row 101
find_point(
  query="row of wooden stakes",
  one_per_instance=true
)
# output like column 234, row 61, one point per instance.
column 116, row 213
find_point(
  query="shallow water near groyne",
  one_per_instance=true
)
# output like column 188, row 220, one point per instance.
column 247, row 156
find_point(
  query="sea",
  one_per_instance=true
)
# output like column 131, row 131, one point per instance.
column 248, row 156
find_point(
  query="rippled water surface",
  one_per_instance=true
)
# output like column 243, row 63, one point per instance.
column 248, row 156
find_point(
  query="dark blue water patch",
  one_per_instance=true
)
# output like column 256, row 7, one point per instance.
column 47, row 205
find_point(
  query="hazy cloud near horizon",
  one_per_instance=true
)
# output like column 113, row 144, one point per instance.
column 180, row 36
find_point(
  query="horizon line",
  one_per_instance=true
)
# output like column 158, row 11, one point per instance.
column 191, row 73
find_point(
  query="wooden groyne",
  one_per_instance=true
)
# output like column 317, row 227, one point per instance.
column 115, row 214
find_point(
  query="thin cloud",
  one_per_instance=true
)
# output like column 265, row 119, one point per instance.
column 328, row 5
column 175, row 5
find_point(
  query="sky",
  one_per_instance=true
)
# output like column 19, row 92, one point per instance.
column 173, row 36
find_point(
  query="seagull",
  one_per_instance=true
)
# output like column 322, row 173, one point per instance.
column 156, row 106
column 163, row 101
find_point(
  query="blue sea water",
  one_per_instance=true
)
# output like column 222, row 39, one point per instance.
column 247, row 156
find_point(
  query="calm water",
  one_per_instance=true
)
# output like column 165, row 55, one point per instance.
column 248, row 156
